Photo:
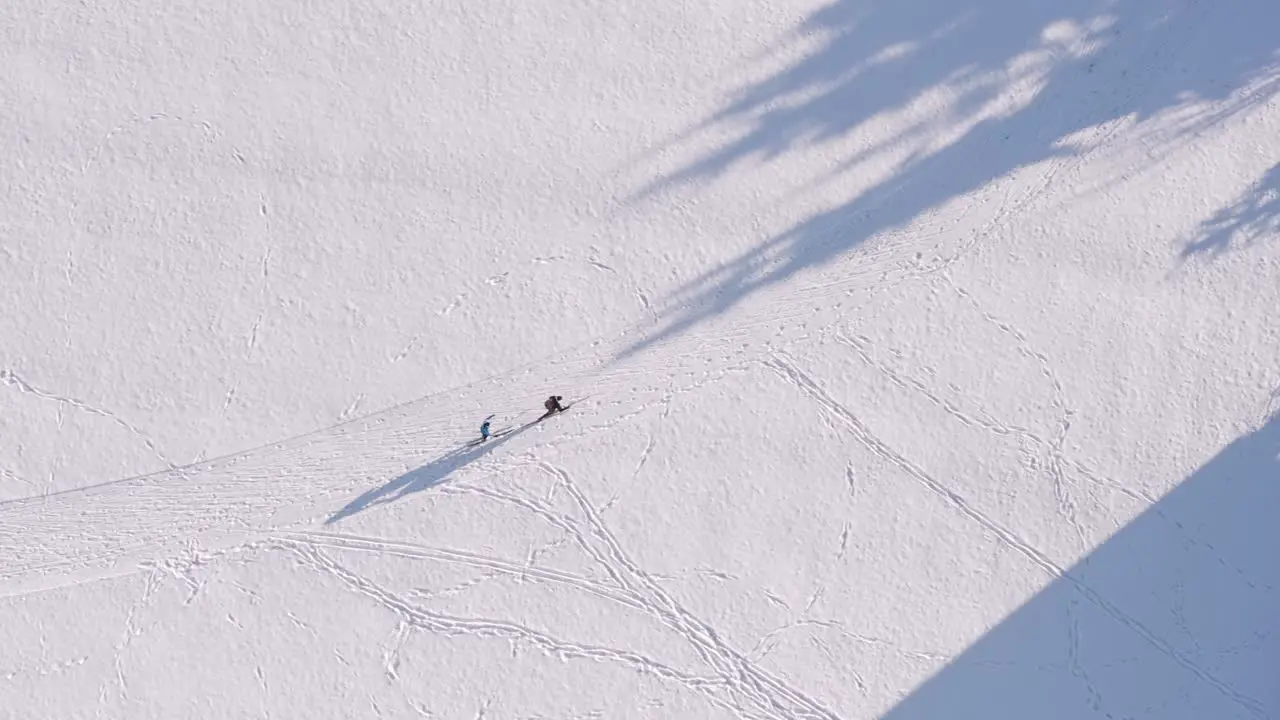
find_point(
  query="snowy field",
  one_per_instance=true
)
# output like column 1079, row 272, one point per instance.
column 925, row 360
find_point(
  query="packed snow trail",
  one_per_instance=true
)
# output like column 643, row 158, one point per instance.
column 105, row 530
column 219, row 502
column 267, row 497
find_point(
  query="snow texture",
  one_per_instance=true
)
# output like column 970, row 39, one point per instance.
column 923, row 358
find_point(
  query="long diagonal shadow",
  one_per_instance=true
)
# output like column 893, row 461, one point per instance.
column 429, row 475
column 1176, row 616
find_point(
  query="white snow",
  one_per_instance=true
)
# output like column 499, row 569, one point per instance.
column 925, row 360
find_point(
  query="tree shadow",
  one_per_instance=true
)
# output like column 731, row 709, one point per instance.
column 1176, row 616
column 429, row 475
column 1254, row 217
column 977, row 89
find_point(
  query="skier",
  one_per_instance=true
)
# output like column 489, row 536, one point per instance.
column 484, row 429
column 553, row 405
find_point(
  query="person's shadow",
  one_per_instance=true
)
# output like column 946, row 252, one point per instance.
column 431, row 474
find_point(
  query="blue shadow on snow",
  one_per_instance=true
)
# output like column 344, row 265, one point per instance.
column 874, row 58
column 1254, row 217
column 1176, row 616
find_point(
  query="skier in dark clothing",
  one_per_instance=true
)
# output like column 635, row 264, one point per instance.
column 553, row 405
column 484, row 430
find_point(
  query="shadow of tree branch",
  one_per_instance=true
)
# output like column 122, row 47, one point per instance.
column 959, row 95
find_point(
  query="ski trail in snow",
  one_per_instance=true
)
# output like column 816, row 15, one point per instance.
column 859, row 638
column 105, row 530
column 751, row 691
column 787, row 369
column 383, row 546
column 452, row 625
column 627, row 598
column 979, row 418
column 766, row 689
column 10, row 378
column 1058, row 398
column 14, row 478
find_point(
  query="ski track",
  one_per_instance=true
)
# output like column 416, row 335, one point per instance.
column 757, row 684
column 12, row 379
column 514, row 633
column 629, row 598
column 840, row 629
column 619, row 576
column 44, row 669
column 1058, row 399
column 649, row 444
column 980, row 418
column 13, row 477
column 1073, row 658
column 787, row 369
column 1053, row 448
column 264, row 289
column 752, row 692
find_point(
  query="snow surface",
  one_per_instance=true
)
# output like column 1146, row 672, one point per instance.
column 924, row 353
